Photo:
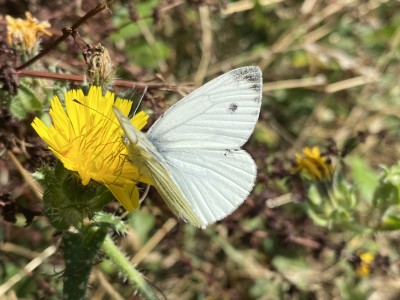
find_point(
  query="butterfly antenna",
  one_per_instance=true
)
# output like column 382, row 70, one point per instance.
column 87, row 106
column 146, row 191
column 91, row 108
column 140, row 101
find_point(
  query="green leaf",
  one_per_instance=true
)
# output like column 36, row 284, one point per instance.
column 364, row 177
column 25, row 102
column 391, row 218
column 110, row 220
column 388, row 191
column 80, row 251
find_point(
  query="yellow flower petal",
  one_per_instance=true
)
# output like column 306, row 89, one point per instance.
column 140, row 120
column 25, row 33
column 313, row 164
column 365, row 265
column 128, row 196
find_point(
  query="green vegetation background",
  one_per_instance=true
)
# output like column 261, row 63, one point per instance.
column 330, row 72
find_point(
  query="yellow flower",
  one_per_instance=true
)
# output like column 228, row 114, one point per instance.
column 364, row 267
column 25, row 33
column 87, row 138
column 313, row 164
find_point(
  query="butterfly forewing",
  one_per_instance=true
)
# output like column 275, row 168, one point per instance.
column 219, row 115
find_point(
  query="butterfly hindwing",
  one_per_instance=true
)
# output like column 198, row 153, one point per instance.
column 213, row 182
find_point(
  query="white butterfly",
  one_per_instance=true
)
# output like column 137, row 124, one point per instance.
column 192, row 152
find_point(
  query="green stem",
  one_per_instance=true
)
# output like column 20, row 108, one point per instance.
column 125, row 266
column 80, row 251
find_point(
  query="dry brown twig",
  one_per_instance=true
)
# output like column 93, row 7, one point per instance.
column 119, row 83
column 67, row 32
column 36, row 188
column 106, row 286
column 154, row 240
column 32, row 265
column 206, row 44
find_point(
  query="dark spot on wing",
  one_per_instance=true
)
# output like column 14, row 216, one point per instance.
column 231, row 152
column 255, row 87
column 249, row 74
column 233, row 107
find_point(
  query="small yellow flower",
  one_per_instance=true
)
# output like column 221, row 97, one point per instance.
column 313, row 164
column 365, row 265
column 25, row 33
column 87, row 138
